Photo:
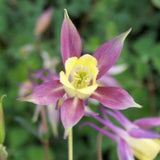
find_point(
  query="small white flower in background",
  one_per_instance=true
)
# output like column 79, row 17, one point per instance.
column 109, row 80
column 49, row 62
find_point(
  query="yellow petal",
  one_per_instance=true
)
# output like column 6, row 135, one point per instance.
column 70, row 64
column 86, row 92
column 144, row 149
column 64, row 80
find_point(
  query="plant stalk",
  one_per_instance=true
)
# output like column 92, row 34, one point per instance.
column 99, row 148
column 45, row 130
column 70, row 145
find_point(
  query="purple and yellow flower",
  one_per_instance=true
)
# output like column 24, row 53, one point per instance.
column 79, row 81
column 132, row 138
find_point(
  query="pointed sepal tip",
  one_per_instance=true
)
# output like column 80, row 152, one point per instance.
column 125, row 34
column 137, row 105
column 66, row 14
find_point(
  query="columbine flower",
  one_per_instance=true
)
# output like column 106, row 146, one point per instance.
column 133, row 139
column 79, row 81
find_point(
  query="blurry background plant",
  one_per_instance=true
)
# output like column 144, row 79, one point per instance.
column 3, row 152
column 42, row 114
column 97, row 22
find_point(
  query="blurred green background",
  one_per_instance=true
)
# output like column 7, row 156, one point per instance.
column 97, row 21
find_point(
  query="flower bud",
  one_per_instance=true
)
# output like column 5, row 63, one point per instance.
column 43, row 22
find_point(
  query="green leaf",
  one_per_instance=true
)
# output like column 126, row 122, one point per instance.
column 144, row 47
column 27, row 125
column 141, row 70
column 156, row 63
column 37, row 153
column 14, row 139
column 156, row 3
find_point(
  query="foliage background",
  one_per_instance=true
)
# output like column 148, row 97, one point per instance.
column 97, row 22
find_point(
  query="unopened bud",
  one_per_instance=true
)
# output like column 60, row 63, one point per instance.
column 43, row 22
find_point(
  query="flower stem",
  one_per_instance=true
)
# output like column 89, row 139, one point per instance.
column 46, row 149
column 45, row 130
column 99, row 149
column 70, row 145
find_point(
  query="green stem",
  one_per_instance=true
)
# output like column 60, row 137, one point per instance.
column 45, row 141
column 46, row 150
column 99, row 145
column 70, row 145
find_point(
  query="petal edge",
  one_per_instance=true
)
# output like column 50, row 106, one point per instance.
column 114, row 98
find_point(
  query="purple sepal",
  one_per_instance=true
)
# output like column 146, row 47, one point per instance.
column 108, row 53
column 107, row 123
column 148, row 122
column 46, row 93
column 114, row 98
column 72, row 111
column 108, row 81
column 141, row 133
column 101, row 130
column 119, row 117
column 42, row 75
column 71, row 45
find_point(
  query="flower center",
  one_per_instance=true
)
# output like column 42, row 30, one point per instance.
column 81, row 77
column 79, row 80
